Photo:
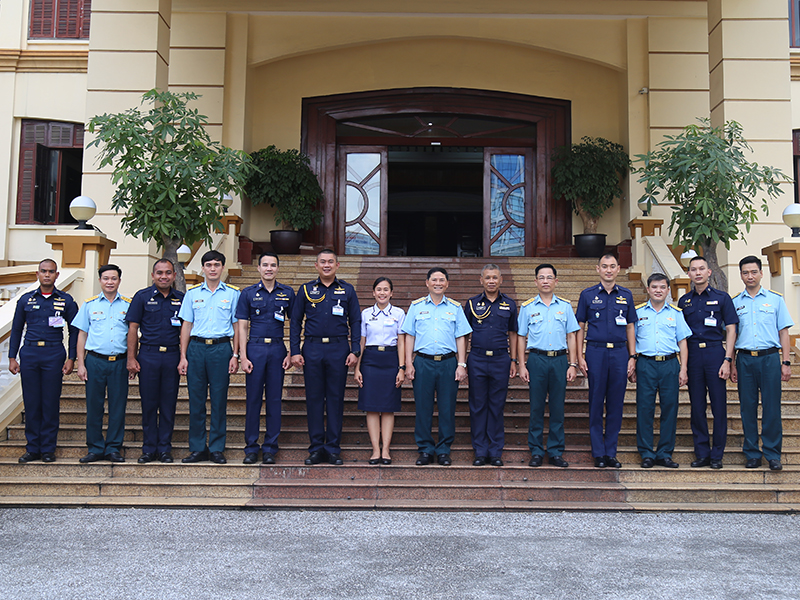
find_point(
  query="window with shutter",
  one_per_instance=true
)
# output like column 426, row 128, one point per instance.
column 64, row 19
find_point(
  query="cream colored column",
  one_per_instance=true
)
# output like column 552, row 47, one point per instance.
column 750, row 83
column 128, row 55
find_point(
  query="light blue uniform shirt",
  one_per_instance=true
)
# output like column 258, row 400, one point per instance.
column 212, row 314
column 381, row 327
column 104, row 324
column 760, row 320
column 546, row 326
column 658, row 332
column 435, row 326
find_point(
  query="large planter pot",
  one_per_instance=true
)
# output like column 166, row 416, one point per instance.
column 590, row 244
column 285, row 242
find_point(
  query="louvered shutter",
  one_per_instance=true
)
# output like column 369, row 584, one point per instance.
column 69, row 19
column 42, row 21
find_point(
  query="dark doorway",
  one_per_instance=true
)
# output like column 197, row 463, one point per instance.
column 435, row 202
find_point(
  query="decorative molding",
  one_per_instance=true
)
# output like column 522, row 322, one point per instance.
column 677, row 283
column 226, row 223
column 794, row 67
column 44, row 61
column 776, row 252
column 648, row 226
column 75, row 247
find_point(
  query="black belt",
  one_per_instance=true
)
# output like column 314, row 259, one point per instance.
column 606, row 344
column 485, row 352
column 547, row 352
column 43, row 343
column 210, row 341
column 326, row 340
column 108, row 357
column 663, row 358
column 265, row 340
column 381, row 348
column 715, row 344
column 760, row 352
column 158, row 348
column 437, row 357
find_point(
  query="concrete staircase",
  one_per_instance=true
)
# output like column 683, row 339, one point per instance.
column 291, row 485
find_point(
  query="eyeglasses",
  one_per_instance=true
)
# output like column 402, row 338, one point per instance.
column 546, row 278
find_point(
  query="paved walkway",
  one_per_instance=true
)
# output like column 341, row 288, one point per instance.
column 127, row 554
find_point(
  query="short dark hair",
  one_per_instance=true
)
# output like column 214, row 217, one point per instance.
column 213, row 255
column 327, row 251
column 698, row 257
column 163, row 260
column 546, row 266
column 50, row 260
column 270, row 254
column 381, row 280
column 608, row 255
column 747, row 260
column 441, row 270
column 657, row 277
column 105, row 268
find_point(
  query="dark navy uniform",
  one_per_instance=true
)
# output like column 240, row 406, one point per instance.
column 332, row 331
column 488, row 365
column 158, row 356
column 608, row 314
column 707, row 314
column 267, row 312
column 41, row 360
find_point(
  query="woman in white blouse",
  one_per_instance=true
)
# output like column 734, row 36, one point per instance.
column 381, row 368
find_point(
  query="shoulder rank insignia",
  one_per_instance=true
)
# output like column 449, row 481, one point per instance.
column 92, row 298
column 232, row 286
column 196, row 285
column 451, row 301
column 676, row 307
column 776, row 293
column 641, row 305
column 128, row 300
column 528, row 301
column 418, row 300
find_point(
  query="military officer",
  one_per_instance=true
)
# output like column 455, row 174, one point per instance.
column 661, row 334
column 547, row 328
column 607, row 312
column 331, row 346
column 491, row 362
column 154, row 311
column 712, row 318
column 437, row 331
column 265, row 306
column 208, row 318
column 762, row 362
column 44, row 362
column 102, row 348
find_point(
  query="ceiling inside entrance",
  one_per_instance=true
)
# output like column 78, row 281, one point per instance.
column 436, row 126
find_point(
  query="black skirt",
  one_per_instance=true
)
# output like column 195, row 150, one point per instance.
column 379, row 370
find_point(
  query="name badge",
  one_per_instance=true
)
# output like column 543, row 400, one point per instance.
column 710, row 322
column 338, row 310
column 55, row 321
column 620, row 320
column 175, row 322
column 279, row 316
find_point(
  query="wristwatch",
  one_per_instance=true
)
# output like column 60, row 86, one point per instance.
column 787, row 363
column 462, row 365
column 357, row 353
column 634, row 356
column 514, row 360
column 728, row 359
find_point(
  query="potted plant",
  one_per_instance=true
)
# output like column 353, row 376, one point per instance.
column 284, row 180
column 589, row 175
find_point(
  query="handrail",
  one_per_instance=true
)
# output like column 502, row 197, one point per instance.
column 660, row 259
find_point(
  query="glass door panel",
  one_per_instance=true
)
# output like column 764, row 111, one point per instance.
column 508, row 185
column 363, row 191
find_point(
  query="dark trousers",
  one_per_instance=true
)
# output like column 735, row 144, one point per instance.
column 266, row 380
column 548, row 377
column 652, row 377
column 158, row 386
column 439, row 378
column 488, row 388
column 760, row 373
column 40, row 368
column 703, row 371
column 112, row 376
column 608, row 376
column 325, row 376
column 207, row 375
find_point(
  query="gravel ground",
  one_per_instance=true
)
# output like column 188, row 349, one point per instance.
column 97, row 554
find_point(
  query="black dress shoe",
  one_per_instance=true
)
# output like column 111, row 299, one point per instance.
column 752, row 463
column 536, row 461
column 268, row 458
column 146, row 457
column 667, row 462
column 557, row 461
column 479, row 461
column 600, row 462
column 424, row 459
column 196, row 457
column 495, row 461
column 91, row 457
column 218, row 458
column 611, row 461
column 335, row 459
column 374, row 461
column 48, row 457
column 115, row 457
column 444, row 460
column 716, row 463
column 386, row 461
column 250, row 458
column 701, row 462
column 165, row 457
column 775, row 465
column 647, row 463
column 29, row 457
column 315, row 458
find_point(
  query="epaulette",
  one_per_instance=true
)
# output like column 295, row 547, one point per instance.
column 641, row 305
column 92, row 298
column 777, row 293
column 451, row 301
column 128, row 300
column 564, row 299
column 196, row 285
column 528, row 301
column 418, row 300
column 676, row 307
column 233, row 286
